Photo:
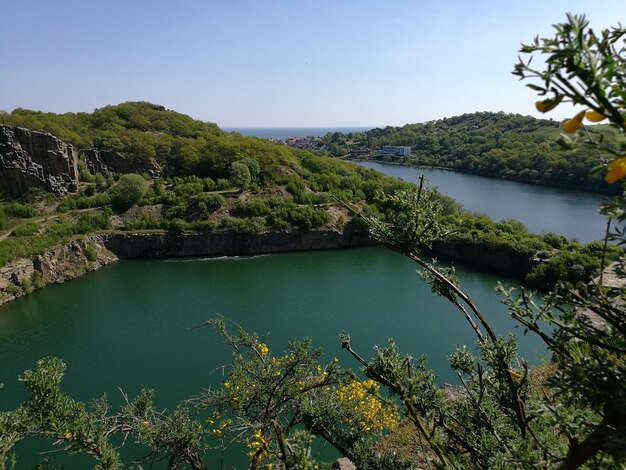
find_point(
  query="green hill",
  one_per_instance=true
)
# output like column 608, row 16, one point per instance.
column 499, row 145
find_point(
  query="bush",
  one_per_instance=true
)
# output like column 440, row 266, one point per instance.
column 14, row 289
column 256, row 207
column 211, row 201
column 37, row 280
column 90, row 252
column 25, row 229
column 93, row 222
column 83, row 173
column 100, row 180
column 248, row 225
column 128, row 190
column 203, row 226
column 19, row 211
column 240, row 175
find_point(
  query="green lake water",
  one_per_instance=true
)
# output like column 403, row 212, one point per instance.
column 131, row 324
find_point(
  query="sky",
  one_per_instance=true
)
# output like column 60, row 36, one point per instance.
column 280, row 63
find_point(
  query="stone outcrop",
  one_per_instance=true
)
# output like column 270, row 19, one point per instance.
column 73, row 259
column 343, row 464
column 30, row 159
column 102, row 161
column 60, row 264
column 175, row 245
column 15, row 273
column 502, row 259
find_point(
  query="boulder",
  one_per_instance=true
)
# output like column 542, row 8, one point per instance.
column 343, row 464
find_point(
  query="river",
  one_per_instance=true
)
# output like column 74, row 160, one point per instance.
column 541, row 208
column 131, row 324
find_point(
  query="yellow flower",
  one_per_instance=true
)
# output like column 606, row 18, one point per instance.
column 145, row 423
column 263, row 349
column 617, row 170
column 217, row 432
column 547, row 105
column 67, row 435
column 594, row 116
column 572, row 125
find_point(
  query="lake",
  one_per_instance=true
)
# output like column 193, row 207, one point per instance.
column 541, row 208
column 132, row 324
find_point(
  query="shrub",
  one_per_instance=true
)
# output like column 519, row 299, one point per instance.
column 211, row 201
column 90, row 252
column 25, row 229
column 14, row 289
column 19, row 211
column 128, row 190
column 37, row 280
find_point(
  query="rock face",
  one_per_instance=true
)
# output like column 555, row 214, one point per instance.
column 60, row 264
column 33, row 159
column 343, row 464
column 175, row 245
column 72, row 260
column 102, row 161
column 502, row 260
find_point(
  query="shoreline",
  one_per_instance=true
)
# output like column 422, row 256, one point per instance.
column 78, row 257
column 483, row 175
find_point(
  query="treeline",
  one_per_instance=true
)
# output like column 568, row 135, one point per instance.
column 499, row 145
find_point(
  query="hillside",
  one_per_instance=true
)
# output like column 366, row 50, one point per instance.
column 509, row 146
column 142, row 167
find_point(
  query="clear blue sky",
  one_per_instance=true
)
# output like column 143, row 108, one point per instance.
column 285, row 63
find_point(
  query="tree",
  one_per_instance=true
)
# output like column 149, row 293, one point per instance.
column 240, row 175
column 128, row 190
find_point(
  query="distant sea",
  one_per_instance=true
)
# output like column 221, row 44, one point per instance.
column 285, row 132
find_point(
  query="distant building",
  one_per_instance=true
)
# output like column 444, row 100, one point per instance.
column 394, row 151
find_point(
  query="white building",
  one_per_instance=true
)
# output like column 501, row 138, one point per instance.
column 394, row 151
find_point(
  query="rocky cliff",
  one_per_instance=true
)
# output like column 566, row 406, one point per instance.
column 502, row 260
column 71, row 260
column 60, row 264
column 74, row 259
column 102, row 161
column 174, row 245
column 32, row 159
